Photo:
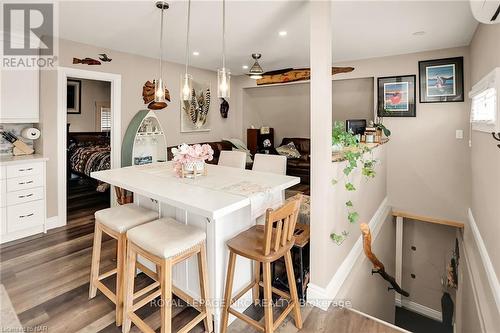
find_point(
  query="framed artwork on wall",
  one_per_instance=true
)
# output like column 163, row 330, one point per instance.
column 194, row 115
column 73, row 96
column 441, row 80
column 396, row 96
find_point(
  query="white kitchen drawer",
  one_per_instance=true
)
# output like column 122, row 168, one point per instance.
column 18, row 197
column 3, row 195
column 22, row 183
column 2, row 172
column 25, row 216
column 21, row 170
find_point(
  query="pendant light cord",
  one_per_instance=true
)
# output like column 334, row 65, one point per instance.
column 224, row 34
column 161, row 44
column 187, row 34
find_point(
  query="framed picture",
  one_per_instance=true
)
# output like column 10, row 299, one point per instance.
column 195, row 112
column 73, row 96
column 396, row 96
column 441, row 80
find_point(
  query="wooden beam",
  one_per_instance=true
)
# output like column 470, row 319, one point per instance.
column 428, row 219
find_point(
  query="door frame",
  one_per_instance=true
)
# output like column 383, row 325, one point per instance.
column 115, row 159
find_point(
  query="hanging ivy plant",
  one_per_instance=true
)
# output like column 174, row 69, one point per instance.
column 354, row 155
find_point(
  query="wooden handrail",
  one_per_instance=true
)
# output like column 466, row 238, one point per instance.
column 428, row 219
column 377, row 264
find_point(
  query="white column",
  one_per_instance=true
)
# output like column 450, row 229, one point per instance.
column 399, row 256
column 321, row 127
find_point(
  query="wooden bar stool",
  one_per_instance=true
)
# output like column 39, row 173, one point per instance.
column 264, row 245
column 165, row 242
column 115, row 222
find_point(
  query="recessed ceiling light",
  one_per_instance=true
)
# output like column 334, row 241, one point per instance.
column 196, row 53
column 244, row 67
column 283, row 33
column 419, row 33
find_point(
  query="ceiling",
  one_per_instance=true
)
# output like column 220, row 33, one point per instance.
column 361, row 29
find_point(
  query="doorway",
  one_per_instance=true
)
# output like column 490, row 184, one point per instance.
column 89, row 128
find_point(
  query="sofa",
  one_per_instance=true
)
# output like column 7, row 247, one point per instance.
column 217, row 146
column 299, row 167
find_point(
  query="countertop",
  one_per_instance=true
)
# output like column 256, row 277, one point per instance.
column 339, row 156
column 5, row 160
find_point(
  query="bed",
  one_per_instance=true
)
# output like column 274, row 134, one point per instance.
column 88, row 152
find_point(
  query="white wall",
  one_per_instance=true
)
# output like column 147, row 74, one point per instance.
column 92, row 91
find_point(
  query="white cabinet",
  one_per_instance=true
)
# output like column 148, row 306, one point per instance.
column 19, row 96
column 22, row 197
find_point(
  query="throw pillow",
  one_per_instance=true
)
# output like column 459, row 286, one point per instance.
column 289, row 150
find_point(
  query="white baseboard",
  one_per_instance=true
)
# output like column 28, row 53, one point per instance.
column 322, row 297
column 54, row 222
column 420, row 309
column 486, row 261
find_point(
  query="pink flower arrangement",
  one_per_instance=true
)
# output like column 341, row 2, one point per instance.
column 191, row 153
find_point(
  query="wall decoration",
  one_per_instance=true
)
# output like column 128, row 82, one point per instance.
column 86, row 61
column 194, row 115
column 441, row 80
column 104, row 57
column 396, row 96
column 292, row 75
column 73, row 96
column 148, row 96
column 224, row 108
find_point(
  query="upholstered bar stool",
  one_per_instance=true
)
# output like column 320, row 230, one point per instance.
column 115, row 222
column 266, row 244
column 165, row 242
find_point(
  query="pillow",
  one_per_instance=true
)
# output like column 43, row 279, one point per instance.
column 288, row 150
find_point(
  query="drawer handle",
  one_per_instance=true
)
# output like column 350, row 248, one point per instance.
column 23, row 216
column 28, row 169
column 25, row 196
column 24, row 183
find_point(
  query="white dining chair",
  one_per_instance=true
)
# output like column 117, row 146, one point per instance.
column 233, row 159
column 270, row 163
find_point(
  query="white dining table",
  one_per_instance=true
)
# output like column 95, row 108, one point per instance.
column 223, row 203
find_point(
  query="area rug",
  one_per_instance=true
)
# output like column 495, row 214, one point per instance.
column 10, row 321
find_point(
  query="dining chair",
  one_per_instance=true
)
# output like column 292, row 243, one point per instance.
column 270, row 163
column 233, row 159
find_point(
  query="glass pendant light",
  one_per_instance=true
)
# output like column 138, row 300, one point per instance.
column 159, row 84
column 223, row 74
column 187, row 79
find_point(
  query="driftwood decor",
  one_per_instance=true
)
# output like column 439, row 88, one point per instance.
column 148, row 96
column 378, row 267
column 292, row 75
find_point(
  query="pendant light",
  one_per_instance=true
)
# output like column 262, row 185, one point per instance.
column 256, row 71
column 223, row 74
column 187, row 79
column 159, row 84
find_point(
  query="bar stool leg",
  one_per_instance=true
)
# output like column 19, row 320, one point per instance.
column 229, row 288
column 120, row 269
column 96, row 259
column 268, row 298
column 166, row 296
column 129, row 288
column 293, row 290
column 203, row 276
column 256, row 288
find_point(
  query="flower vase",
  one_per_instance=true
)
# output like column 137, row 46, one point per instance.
column 193, row 169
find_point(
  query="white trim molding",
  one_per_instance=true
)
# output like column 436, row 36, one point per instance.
column 419, row 308
column 486, row 261
column 115, row 79
column 54, row 222
column 323, row 297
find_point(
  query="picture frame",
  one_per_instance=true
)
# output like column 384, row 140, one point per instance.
column 396, row 96
column 441, row 80
column 198, row 122
column 73, row 97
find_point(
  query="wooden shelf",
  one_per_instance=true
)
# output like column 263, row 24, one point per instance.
column 428, row 219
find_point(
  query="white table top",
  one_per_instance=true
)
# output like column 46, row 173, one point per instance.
column 207, row 196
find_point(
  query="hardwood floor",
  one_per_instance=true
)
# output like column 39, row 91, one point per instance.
column 47, row 278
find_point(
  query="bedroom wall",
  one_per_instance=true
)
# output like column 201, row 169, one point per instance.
column 92, row 91
column 286, row 108
column 135, row 71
